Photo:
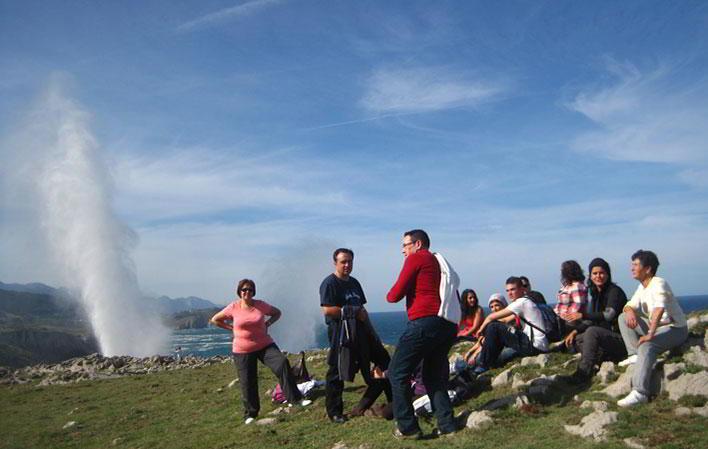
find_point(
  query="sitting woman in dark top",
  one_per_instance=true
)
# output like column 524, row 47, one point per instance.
column 597, row 337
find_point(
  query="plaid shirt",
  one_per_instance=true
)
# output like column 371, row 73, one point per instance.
column 572, row 298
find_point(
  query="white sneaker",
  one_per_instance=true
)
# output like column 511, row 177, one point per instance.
column 305, row 402
column 631, row 360
column 633, row 398
column 249, row 420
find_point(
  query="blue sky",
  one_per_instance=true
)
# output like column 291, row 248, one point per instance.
column 250, row 139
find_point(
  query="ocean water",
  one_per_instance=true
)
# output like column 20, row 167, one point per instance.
column 213, row 341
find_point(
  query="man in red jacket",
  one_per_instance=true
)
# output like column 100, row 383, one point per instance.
column 427, row 338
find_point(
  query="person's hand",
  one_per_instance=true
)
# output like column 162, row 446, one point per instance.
column 571, row 316
column 377, row 373
column 362, row 315
column 570, row 338
column 644, row 339
column 630, row 317
column 480, row 331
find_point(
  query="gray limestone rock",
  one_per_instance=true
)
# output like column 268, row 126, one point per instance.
column 479, row 420
column 683, row 411
column 607, row 370
column 673, row 370
column 266, row 421
column 518, row 382
column 593, row 425
column 540, row 360
column 502, row 379
column 697, row 356
column 633, row 443
column 600, row 406
column 688, row 384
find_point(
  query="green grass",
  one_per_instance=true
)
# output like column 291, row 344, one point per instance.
column 184, row 409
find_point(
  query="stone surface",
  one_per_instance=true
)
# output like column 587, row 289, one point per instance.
column 673, row 370
column 502, row 379
column 521, row 401
column 607, row 370
column 622, row 386
column 683, row 411
column 540, row 385
column 633, row 443
column 500, row 403
column 540, row 360
column 600, row 406
column 479, row 420
column 266, row 421
column 688, row 384
column 593, row 425
column 517, row 381
column 693, row 322
column 697, row 356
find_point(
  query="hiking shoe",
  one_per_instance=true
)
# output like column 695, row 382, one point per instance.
column 249, row 420
column 305, row 402
column 633, row 398
column 338, row 419
column 631, row 360
column 417, row 435
column 437, row 433
column 479, row 370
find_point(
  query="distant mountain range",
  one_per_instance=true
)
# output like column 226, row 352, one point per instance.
column 40, row 323
column 164, row 304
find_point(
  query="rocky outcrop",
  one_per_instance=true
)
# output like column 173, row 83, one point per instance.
column 22, row 347
column 593, row 425
column 96, row 366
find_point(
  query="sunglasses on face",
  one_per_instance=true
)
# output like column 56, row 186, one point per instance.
column 247, row 290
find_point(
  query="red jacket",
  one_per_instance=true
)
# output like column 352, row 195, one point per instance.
column 419, row 282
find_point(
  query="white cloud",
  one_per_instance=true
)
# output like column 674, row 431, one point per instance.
column 646, row 116
column 425, row 89
column 230, row 13
column 195, row 182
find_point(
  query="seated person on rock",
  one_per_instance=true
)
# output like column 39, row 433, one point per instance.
column 573, row 294
column 536, row 296
column 597, row 336
column 495, row 303
column 472, row 315
column 652, row 323
column 498, row 336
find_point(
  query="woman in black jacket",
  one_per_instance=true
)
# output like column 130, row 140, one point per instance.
column 597, row 338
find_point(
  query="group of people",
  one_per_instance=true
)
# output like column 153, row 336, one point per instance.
column 593, row 318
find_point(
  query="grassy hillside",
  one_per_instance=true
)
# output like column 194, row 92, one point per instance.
column 194, row 408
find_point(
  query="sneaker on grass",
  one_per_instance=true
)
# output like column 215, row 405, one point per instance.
column 633, row 398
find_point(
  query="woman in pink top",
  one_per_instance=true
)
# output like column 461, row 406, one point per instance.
column 573, row 294
column 251, row 343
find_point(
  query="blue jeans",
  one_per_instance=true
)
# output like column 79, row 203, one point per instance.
column 498, row 337
column 426, row 339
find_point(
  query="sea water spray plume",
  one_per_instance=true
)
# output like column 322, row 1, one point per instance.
column 86, row 238
column 291, row 282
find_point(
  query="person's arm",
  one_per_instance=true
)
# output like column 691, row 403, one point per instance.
column 405, row 280
column 493, row 317
column 477, row 323
column 332, row 312
column 653, row 324
column 630, row 310
column 219, row 320
column 274, row 314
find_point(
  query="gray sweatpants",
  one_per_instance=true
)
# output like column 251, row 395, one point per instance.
column 665, row 338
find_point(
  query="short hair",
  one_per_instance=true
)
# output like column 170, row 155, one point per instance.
column 243, row 282
column 418, row 235
column 525, row 282
column 515, row 281
column 342, row 250
column 571, row 272
column 647, row 259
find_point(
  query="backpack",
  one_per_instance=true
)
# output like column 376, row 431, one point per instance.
column 299, row 371
column 554, row 327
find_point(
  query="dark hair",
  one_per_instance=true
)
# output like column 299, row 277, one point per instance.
column 419, row 235
column 594, row 292
column 647, row 259
column 243, row 282
column 342, row 250
column 571, row 272
column 466, row 309
column 525, row 282
column 515, row 281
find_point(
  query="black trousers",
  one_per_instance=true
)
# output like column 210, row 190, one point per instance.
column 596, row 345
column 247, row 369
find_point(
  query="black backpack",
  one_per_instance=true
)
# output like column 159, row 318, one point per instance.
column 554, row 326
